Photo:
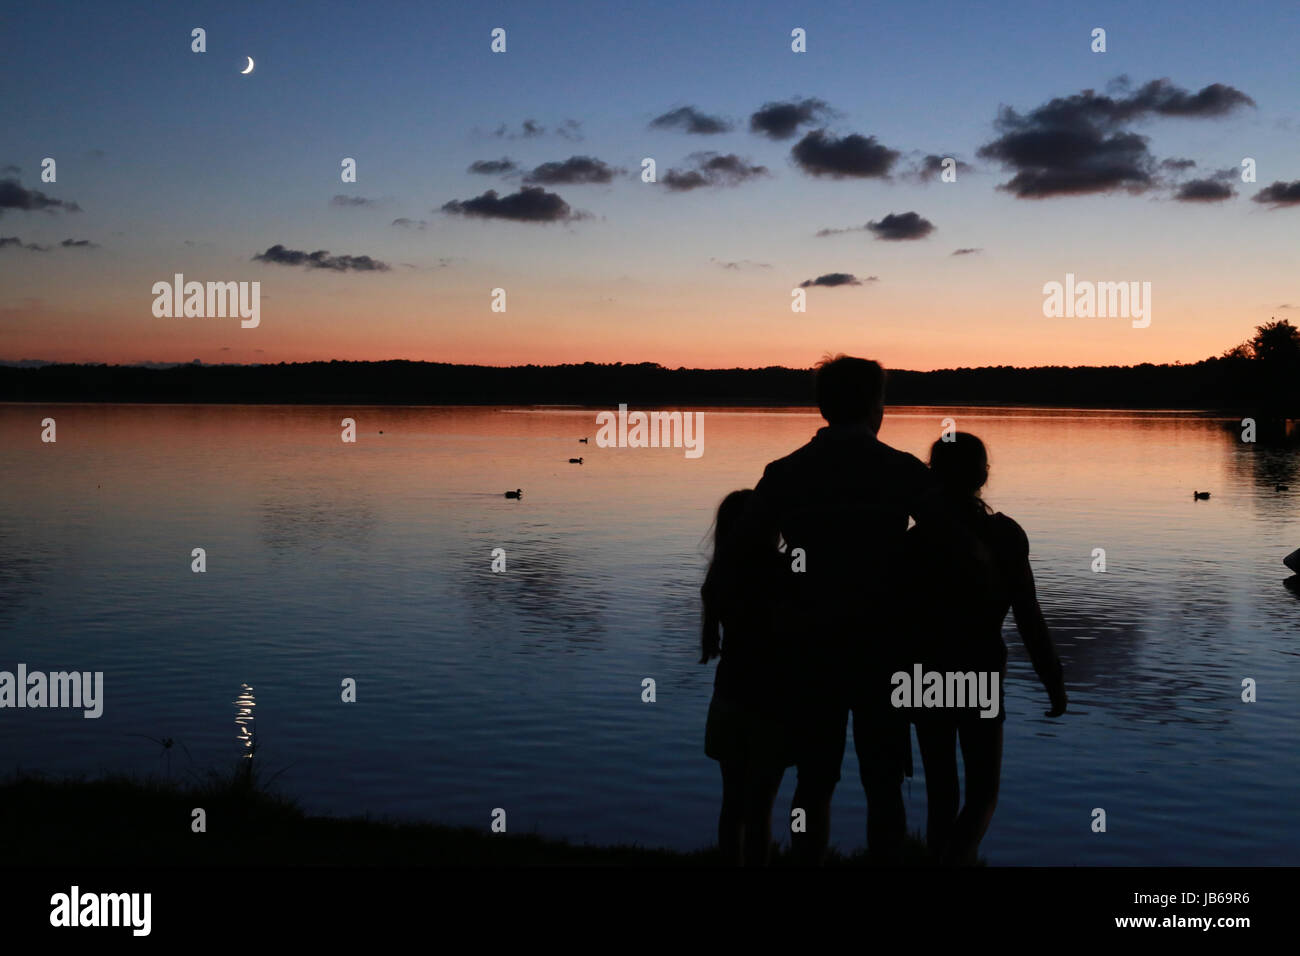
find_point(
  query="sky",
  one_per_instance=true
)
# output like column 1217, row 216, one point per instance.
column 173, row 161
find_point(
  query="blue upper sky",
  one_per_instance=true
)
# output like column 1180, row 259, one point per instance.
column 179, row 163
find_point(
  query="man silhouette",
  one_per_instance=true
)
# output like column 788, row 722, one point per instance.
column 844, row 498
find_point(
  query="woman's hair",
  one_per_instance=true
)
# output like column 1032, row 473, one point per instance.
column 961, row 467
column 740, row 538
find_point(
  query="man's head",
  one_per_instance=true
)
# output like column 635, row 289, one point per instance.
column 851, row 391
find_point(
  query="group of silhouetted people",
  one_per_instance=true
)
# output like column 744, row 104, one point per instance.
column 818, row 593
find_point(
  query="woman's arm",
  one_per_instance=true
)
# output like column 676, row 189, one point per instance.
column 1038, row 640
column 710, row 638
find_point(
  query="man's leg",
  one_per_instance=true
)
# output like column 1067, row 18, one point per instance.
column 879, row 738
column 821, row 753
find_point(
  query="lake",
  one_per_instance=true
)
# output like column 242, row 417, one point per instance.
column 522, row 690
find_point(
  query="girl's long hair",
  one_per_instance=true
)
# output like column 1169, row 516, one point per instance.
column 734, row 548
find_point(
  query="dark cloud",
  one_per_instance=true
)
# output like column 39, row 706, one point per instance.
column 967, row 252
column 1178, row 165
column 1079, row 144
column 740, row 265
column 353, row 201
column 930, row 167
column 321, row 259
column 820, row 154
column 781, row 120
column 1279, row 194
column 530, row 204
column 79, row 244
column 16, row 243
column 1204, row 190
column 572, row 171
column 404, row 223
column 823, row 233
column 570, row 129
column 10, row 170
column 690, row 120
column 712, row 169
column 833, row 279
column 14, row 196
column 493, row 167
column 1164, row 99
column 908, row 225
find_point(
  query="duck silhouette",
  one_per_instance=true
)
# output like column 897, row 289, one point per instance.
column 582, row 441
column 1200, row 495
column 1282, row 488
column 575, row 461
column 517, row 493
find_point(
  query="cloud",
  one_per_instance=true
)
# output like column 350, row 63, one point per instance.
column 908, row 225
column 14, row 196
column 967, row 252
column 570, row 129
column 1279, row 194
column 1080, row 144
column 832, row 279
column 781, row 120
column 572, row 171
column 493, row 167
column 823, row 233
column 1164, row 99
column 931, row 166
column 1178, row 165
column 10, row 170
column 404, row 223
column 820, row 154
column 16, row 243
column 353, row 201
column 530, row 204
column 712, row 169
column 690, row 120
column 321, row 259
column 740, row 265
column 1204, row 190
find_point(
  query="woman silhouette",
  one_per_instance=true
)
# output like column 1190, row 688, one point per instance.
column 966, row 570
column 748, row 727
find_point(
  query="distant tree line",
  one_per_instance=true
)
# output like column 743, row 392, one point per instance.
column 1261, row 376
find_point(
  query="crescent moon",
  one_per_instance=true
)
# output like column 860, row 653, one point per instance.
column 249, row 68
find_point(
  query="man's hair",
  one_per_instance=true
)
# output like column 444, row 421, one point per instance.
column 849, row 389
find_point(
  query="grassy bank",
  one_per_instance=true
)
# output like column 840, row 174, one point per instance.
column 124, row 821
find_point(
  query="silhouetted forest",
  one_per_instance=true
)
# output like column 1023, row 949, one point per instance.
column 1261, row 376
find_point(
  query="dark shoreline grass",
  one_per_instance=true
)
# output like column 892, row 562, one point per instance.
column 124, row 821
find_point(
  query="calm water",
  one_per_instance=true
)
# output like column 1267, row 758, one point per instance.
column 523, row 690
